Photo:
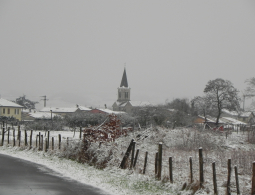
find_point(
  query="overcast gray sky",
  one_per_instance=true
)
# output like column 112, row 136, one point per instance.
column 74, row 51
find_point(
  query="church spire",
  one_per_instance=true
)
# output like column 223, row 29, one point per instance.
column 124, row 82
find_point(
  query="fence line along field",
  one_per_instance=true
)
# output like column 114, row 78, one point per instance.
column 190, row 158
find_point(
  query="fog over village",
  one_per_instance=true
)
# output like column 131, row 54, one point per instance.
column 75, row 52
column 128, row 97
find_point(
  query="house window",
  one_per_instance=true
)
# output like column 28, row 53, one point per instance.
column 8, row 111
column 126, row 94
column 3, row 110
column 17, row 111
column 119, row 95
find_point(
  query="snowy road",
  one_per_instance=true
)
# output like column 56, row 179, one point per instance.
column 22, row 177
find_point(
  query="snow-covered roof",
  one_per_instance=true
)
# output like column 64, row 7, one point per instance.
column 57, row 109
column 235, row 113
column 28, row 110
column 140, row 103
column 83, row 108
column 42, row 115
column 7, row 103
column 108, row 111
column 232, row 121
column 210, row 119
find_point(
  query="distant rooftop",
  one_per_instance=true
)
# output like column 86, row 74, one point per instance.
column 7, row 103
column 58, row 109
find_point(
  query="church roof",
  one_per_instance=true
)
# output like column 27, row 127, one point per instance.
column 124, row 82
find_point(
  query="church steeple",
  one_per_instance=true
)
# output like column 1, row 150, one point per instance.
column 124, row 82
column 124, row 90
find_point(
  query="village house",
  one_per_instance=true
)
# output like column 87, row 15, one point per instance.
column 65, row 111
column 243, row 116
column 10, row 109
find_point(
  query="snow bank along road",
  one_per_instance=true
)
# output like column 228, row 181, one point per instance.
column 22, row 177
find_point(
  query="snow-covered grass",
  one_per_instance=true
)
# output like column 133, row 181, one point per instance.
column 112, row 180
column 180, row 144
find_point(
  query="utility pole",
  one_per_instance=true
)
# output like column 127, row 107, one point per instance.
column 44, row 99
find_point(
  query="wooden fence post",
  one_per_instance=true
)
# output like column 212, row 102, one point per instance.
column 123, row 162
column 59, row 141
column 253, row 179
column 136, row 156
column 42, row 142
column 159, row 160
column 132, row 155
column 171, row 169
column 19, row 137
column 13, row 138
column 8, row 135
column 201, row 169
column 229, row 177
column 25, row 137
column 190, row 169
column 67, row 141
column 80, row 132
column 39, row 141
column 145, row 162
column 237, row 181
column 48, row 140
column 46, row 144
column 214, row 179
column 36, row 140
column 156, row 164
column 31, row 139
column 52, row 143
column 3, row 136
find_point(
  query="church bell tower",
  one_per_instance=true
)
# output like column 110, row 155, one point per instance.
column 124, row 90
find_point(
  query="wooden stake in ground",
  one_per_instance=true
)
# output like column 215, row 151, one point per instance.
column 42, row 142
column 136, row 156
column 46, row 144
column 39, row 141
column 59, row 141
column 190, row 169
column 132, row 155
column 201, row 169
column 52, row 143
column 171, row 169
column 36, row 140
column 229, row 177
column 14, row 143
column 156, row 164
column 237, row 181
column 159, row 160
column 31, row 138
column 48, row 140
column 3, row 136
column 214, row 179
column 145, row 162
column 253, row 179
column 25, row 137
column 123, row 162
column 8, row 136
column 80, row 132
column 19, row 137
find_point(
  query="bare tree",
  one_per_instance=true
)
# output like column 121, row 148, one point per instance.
column 26, row 103
column 221, row 94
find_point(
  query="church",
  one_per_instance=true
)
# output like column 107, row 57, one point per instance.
column 123, row 102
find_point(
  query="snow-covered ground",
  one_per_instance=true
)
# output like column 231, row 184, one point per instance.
column 178, row 143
